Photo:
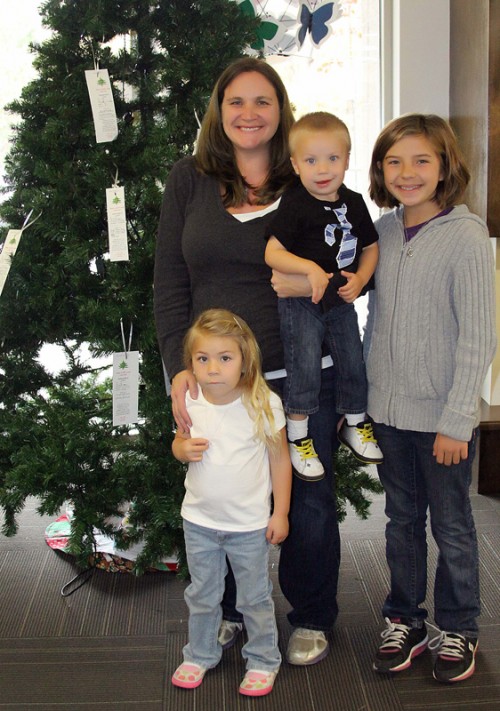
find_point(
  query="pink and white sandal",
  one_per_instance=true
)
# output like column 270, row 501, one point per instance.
column 257, row 683
column 188, row 675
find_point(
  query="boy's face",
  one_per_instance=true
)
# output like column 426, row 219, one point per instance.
column 320, row 159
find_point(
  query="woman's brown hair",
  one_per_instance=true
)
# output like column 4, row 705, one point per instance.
column 215, row 153
column 456, row 175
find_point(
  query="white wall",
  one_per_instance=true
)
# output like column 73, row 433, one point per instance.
column 417, row 65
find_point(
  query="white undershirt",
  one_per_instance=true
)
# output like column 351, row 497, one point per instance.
column 247, row 216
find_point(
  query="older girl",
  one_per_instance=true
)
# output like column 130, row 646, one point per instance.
column 430, row 339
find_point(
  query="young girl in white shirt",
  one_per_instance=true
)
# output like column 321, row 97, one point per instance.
column 238, row 455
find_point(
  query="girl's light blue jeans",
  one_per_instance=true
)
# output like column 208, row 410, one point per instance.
column 248, row 554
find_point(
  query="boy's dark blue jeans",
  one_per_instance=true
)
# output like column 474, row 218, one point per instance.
column 305, row 329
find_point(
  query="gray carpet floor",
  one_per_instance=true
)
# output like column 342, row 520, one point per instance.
column 114, row 643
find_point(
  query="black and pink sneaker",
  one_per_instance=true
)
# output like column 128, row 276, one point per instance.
column 401, row 643
column 456, row 657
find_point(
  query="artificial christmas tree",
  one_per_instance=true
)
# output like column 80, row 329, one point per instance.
column 57, row 440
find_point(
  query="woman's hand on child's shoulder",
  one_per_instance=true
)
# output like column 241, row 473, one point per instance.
column 181, row 383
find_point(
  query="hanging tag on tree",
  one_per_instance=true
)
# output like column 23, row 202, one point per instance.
column 7, row 254
column 117, row 224
column 125, row 384
column 9, row 249
column 102, row 104
column 197, row 131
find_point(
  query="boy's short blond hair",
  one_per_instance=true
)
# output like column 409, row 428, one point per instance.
column 318, row 121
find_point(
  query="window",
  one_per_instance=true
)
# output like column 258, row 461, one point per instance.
column 342, row 76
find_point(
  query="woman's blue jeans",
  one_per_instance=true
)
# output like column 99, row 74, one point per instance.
column 248, row 553
column 415, row 483
column 310, row 556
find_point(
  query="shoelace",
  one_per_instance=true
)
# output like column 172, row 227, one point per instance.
column 448, row 645
column 366, row 433
column 306, row 449
column 394, row 635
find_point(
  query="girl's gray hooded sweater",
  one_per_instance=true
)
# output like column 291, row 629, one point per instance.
column 430, row 334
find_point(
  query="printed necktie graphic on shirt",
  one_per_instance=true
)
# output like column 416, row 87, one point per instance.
column 348, row 242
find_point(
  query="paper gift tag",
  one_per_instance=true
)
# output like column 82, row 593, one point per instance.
column 102, row 104
column 117, row 224
column 6, row 255
column 125, row 388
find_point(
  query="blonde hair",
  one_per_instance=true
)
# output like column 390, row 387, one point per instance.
column 318, row 121
column 255, row 391
column 215, row 153
column 440, row 134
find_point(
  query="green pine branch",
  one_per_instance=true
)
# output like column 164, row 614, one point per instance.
column 353, row 484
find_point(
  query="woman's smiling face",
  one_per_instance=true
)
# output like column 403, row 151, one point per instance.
column 250, row 112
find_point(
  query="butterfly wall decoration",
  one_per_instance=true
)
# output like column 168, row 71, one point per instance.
column 316, row 19
column 273, row 27
column 285, row 24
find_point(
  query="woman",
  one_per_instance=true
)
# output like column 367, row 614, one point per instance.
column 210, row 253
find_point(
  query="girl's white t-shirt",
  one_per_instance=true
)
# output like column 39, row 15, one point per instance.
column 230, row 489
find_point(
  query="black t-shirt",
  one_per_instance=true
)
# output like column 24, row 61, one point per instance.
column 332, row 234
